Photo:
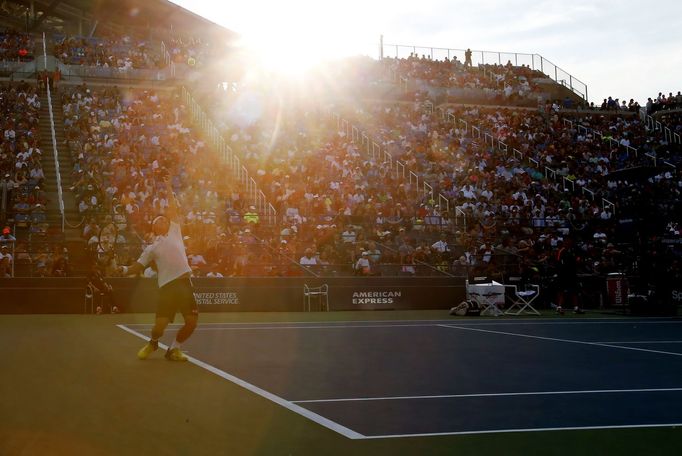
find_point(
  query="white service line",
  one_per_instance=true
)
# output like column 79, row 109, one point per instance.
column 554, row 339
column 640, row 342
column 501, row 431
column 526, row 393
column 322, row 421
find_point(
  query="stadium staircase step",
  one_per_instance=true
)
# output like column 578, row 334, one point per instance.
column 560, row 92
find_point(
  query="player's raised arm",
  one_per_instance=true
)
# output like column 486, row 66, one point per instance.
column 173, row 210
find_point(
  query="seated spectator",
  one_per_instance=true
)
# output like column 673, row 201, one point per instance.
column 6, row 261
column 460, row 267
column 22, row 211
column 308, row 259
column 363, row 266
column 60, row 263
column 373, row 253
column 7, row 237
column 349, row 236
column 441, row 246
column 38, row 214
column 197, row 261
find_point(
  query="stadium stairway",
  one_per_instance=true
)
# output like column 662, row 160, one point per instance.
column 65, row 163
column 70, row 238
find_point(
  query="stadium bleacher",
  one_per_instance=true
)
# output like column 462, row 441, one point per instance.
column 323, row 183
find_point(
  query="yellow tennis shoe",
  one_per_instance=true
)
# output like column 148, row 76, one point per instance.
column 147, row 350
column 174, row 354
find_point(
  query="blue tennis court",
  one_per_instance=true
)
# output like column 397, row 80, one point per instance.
column 407, row 378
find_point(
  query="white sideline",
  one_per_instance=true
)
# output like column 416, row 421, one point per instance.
column 322, row 421
column 490, row 322
column 526, row 393
column 253, row 328
column 554, row 339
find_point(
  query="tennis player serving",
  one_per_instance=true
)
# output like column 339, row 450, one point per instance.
column 175, row 286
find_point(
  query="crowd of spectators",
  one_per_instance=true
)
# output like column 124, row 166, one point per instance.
column 123, row 52
column 500, row 84
column 342, row 208
column 126, row 145
column 580, row 157
column 516, row 80
column 23, row 200
column 511, row 205
column 20, row 157
column 661, row 102
column 192, row 51
column 638, row 144
column 128, row 52
column 615, row 104
column 121, row 156
column 350, row 197
column 664, row 103
column 43, row 258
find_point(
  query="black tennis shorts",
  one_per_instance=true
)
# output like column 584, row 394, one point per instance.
column 568, row 285
column 177, row 296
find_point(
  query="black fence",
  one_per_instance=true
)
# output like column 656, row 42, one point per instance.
column 237, row 294
column 273, row 294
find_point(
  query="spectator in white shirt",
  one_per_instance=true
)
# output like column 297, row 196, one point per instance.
column 349, row 235
column 308, row 259
column 196, row 260
column 441, row 246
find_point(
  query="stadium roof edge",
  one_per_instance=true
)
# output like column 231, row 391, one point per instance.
column 116, row 13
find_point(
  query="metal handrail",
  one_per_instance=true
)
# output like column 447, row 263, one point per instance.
column 654, row 125
column 610, row 139
column 239, row 171
column 536, row 164
column 387, row 157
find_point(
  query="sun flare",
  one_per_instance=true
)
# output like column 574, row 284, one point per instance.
column 291, row 39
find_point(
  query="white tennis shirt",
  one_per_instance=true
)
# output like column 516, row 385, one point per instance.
column 169, row 254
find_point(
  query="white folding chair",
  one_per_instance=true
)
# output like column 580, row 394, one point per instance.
column 486, row 296
column 91, row 295
column 522, row 300
column 321, row 293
